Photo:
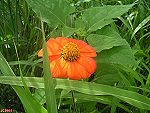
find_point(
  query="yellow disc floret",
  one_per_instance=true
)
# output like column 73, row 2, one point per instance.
column 70, row 52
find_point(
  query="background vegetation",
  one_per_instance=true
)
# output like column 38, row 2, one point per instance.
column 118, row 30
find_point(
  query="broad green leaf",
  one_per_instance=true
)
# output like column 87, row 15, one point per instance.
column 43, row 110
column 67, row 31
column 102, row 42
column 105, row 38
column 53, row 12
column 80, row 27
column 109, row 31
column 56, row 33
column 88, row 88
column 112, row 48
column 117, row 55
column 97, row 17
column 88, row 107
column 106, row 74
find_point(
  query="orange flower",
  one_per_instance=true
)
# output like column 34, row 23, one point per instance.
column 70, row 58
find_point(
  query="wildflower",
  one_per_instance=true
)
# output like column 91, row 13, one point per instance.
column 70, row 58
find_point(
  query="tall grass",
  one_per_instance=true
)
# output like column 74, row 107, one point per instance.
column 115, row 87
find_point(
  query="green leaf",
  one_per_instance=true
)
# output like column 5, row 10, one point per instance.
column 102, row 42
column 67, row 31
column 105, row 38
column 87, row 107
column 53, row 12
column 109, row 31
column 106, row 74
column 88, row 88
column 112, row 48
column 97, row 17
column 117, row 55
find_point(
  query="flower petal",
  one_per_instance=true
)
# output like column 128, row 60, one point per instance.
column 62, row 41
column 76, row 71
column 79, row 43
column 40, row 53
column 88, row 50
column 54, row 57
column 53, row 46
column 72, row 72
column 59, row 68
column 55, row 69
column 82, row 72
column 64, row 64
column 88, row 63
column 88, row 54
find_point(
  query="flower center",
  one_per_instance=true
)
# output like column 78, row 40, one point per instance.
column 70, row 52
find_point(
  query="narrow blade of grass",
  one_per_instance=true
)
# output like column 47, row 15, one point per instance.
column 130, row 97
column 140, row 26
column 48, row 80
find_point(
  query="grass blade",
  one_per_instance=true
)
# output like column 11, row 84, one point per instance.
column 88, row 88
column 140, row 26
column 48, row 80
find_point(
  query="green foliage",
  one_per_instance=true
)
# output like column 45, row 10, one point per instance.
column 89, row 89
column 53, row 12
column 29, row 103
column 97, row 17
column 118, row 31
column 107, row 74
column 48, row 80
column 105, row 38
column 118, row 55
